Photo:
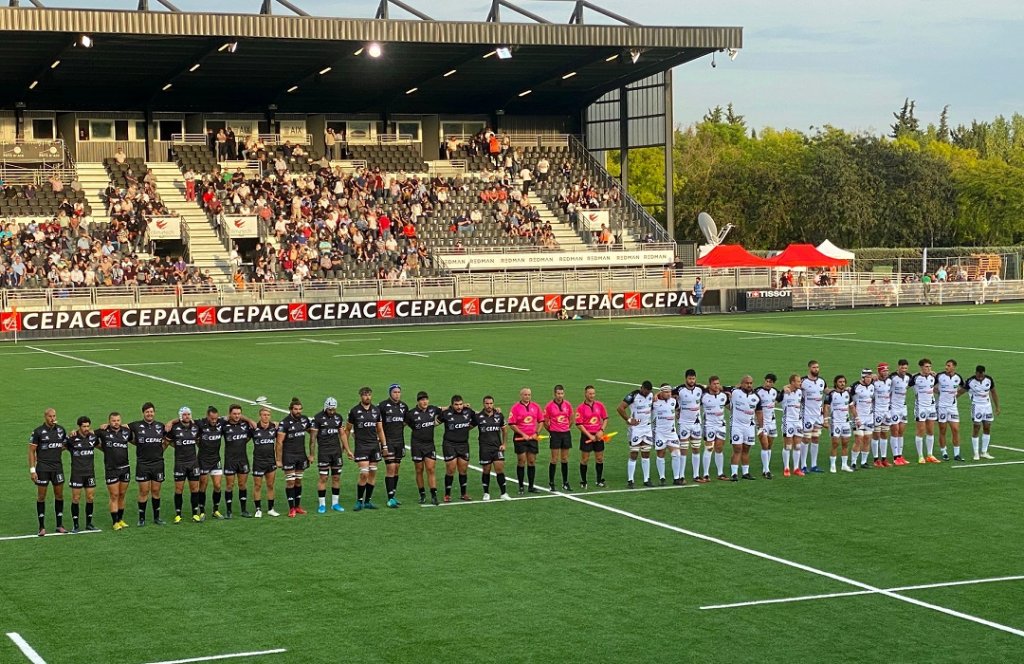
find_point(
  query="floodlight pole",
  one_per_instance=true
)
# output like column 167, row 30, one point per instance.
column 670, row 139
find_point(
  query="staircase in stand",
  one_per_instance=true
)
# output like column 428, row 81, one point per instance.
column 565, row 235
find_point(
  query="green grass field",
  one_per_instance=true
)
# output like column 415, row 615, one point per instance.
column 616, row 576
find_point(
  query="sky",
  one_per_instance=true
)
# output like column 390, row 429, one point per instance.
column 804, row 64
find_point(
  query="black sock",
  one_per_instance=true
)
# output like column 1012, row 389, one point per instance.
column 156, row 508
column 270, row 503
column 290, row 492
column 551, row 473
column 369, row 491
column 197, row 502
column 501, row 483
column 360, row 491
column 120, row 514
column 298, row 496
column 389, row 485
column 113, row 518
column 583, row 473
column 487, row 481
column 74, row 515
column 58, row 507
column 243, row 498
column 448, row 480
column 321, row 494
column 216, row 500
column 229, row 497
column 531, row 474
column 394, row 484
column 599, row 469
column 259, row 504
column 142, row 511
column 565, row 472
column 41, row 513
column 178, row 500
column 433, row 493
column 521, row 475
column 88, row 514
column 423, row 492
column 463, row 481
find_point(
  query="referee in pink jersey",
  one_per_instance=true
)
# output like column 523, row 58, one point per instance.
column 591, row 420
column 558, row 418
column 525, row 419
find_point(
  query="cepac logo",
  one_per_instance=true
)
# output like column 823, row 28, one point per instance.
column 239, row 223
column 593, row 217
column 206, row 315
column 385, row 308
column 631, row 301
column 110, row 318
column 552, row 304
column 297, row 313
column 161, row 223
column 10, row 322
column 470, row 306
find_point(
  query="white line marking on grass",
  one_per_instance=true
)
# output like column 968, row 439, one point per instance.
column 617, row 382
column 559, row 494
column 498, row 366
column 321, row 341
column 25, row 648
column 1004, row 447
column 21, row 537
column 805, row 598
column 424, row 353
column 89, row 350
column 228, row 656
column 79, row 366
column 829, row 334
column 309, row 340
column 401, row 352
column 989, row 465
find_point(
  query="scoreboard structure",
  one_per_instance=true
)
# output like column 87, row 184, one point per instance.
column 764, row 300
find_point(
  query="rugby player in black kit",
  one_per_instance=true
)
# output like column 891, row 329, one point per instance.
column 423, row 420
column 148, row 438
column 393, row 411
column 490, row 425
column 82, row 445
column 457, row 419
column 264, row 464
column 325, row 438
column 291, row 454
column 183, row 435
column 211, row 432
column 364, row 418
column 114, row 441
column 237, row 432
column 45, row 467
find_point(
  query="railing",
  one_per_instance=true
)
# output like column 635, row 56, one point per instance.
column 37, row 175
column 349, row 164
column 520, row 249
column 180, row 139
column 22, row 150
column 245, row 164
column 606, row 181
column 277, row 139
column 384, row 139
column 446, row 167
column 538, row 140
column 895, row 294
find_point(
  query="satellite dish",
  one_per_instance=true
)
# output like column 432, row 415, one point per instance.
column 710, row 229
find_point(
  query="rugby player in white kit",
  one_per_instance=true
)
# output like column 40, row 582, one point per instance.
column 688, row 396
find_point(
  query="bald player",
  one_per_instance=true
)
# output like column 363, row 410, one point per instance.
column 46, row 467
column 525, row 418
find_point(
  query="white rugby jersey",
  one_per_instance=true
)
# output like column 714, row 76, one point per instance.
column 839, row 405
column 688, row 400
column 924, row 390
column 640, row 408
column 766, row 402
column 900, row 387
column 980, row 391
column 744, row 404
column 664, row 413
column 864, row 399
column 883, row 394
column 714, row 409
column 948, row 387
column 814, row 394
column 792, row 402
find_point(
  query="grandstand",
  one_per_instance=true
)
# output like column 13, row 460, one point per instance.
column 459, row 149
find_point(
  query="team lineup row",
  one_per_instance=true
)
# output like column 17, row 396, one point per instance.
column 671, row 420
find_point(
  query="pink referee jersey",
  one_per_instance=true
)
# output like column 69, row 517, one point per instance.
column 527, row 418
column 558, row 418
column 591, row 417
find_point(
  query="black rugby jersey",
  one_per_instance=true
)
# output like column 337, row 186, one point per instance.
column 184, row 438
column 148, row 438
column 328, row 432
column 236, row 437
column 364, row 423
column 423, row 422
column 489, row 427
column 393, row 415
column 83, row 451
column 457, row 424
column 49, row 442
column 114, row 443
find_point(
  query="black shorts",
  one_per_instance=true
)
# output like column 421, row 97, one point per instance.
column 560, row 440
column 117, row 475
column 295, row 463
column 421, row 451
column 328, row 462
column 396, row 452
column 153, row 472
column 261, row 467
column 236, row 467
column 186, row 473
column 54, row 477
column 489, row 454
column 82, row 481
column 452, row 451
column 596, row 446
column 210, row 467
column 368, row 452
column 525, row 446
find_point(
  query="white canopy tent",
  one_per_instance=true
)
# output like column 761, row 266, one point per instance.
column 832, row 251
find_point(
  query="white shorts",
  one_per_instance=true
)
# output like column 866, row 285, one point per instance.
column 865, row 426
column 982, row 414
column 949, row 415
column 713, row 432
column 925, row 414
column 792, row 429
column 661, row 441
column 812, row 425
column 640, row 440
column 898, row 415
column 841, row 430
column 882, row 420
column 744, row 434
column 770, row 429
column 690, row 431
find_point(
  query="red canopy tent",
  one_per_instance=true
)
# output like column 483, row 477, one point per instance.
column 731, row 255
column 805, row 255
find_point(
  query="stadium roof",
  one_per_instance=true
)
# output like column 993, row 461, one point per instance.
column 310, row 64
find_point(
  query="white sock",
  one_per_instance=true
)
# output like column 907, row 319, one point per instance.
column 832, row 462
column 631, row 469
column 919, row 441
column 785, row 458
column 814, row 455
column 874, row 448
column 975, row 443
column 745, row 469
column 883, row 447
column 929, row 441
column 676, row 464
column 660, row 462
column 645, row 466
column 334, row 498
column 863, row 457
column 707, row 462
column 899, row 439
column 956, row 450
column 695, row 462
column 323, row 502
column 766, row 460
column 804, row 448
column 985, row 438
column 799, row 455
column 734, row 469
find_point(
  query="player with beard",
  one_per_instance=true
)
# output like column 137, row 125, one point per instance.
column 326, row 439
column 183, row 435
column 237, row 433
column 393, row 410
column 457, row 419
column 898, row 411
column 364, row 419
column 45, row 467
column 211, row 433
column 423, row 420
column 490, row 425
column 291, row 455
column 148, row 438
column 264, row 464
column 114, row 440
column 767, row 430
column 813, row 388
column 883, row 403
column 691, row 432
column 837, row 413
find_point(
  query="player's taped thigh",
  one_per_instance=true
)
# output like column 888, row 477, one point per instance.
column 372, row 468
column 335, row 472
column 364, row 470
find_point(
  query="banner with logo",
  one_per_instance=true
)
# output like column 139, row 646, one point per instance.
column 164, row 228
column 592, row 220
column 168, row 320
column 293, row 130
column 243, row 227
column 557, row 259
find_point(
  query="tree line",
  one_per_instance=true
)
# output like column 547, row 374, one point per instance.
column 935, row 185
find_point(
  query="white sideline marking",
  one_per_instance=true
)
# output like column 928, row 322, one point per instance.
column 779, row 334
column 805, row 598
column 228, row 656
column 818, row 336
column 498, row 366
column 84, row 350
column 637, row 517
column 617, row 382
column 401, row 352
column 1004, row 447
column 25, row 648
column 21, row 537
column 424, row 353
column 320, row 341
column 989, row 465
column 559, row 494
column 79, row 366
column 308, row 340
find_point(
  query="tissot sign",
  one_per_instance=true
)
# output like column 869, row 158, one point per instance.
column 301, row 314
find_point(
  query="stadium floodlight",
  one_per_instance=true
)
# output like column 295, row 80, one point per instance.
column 374, row 50
column 504, row 52
column 411, row 90
column 359, row 51
column 566, row 77
column 33, row 85
column 489, row 54
column 293, row 88
column 634, row 54
column 56, row 63
column 325, row 70
column 194, row 67
column 85, row 41
column 612, row 58
column 230, row 47
column 525, row 92
column 449, row 73
column 733, row 53
column 167, row 87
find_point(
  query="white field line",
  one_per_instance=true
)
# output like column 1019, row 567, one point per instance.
column 424, row 353
column 1004, row 447
column 400, row 352
column 25, row 648
column 780, row 334
column 805, row 598
column 982, row 313
column 320, row 341
column 498, row 366
column 989, row 465
column 559, row 494
column 840, row 339
column 228, row 656
column 310, row 340
column 637, row 517
column 35, row 537
column 79, row 366
column 86, row 350
column 617, row 382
